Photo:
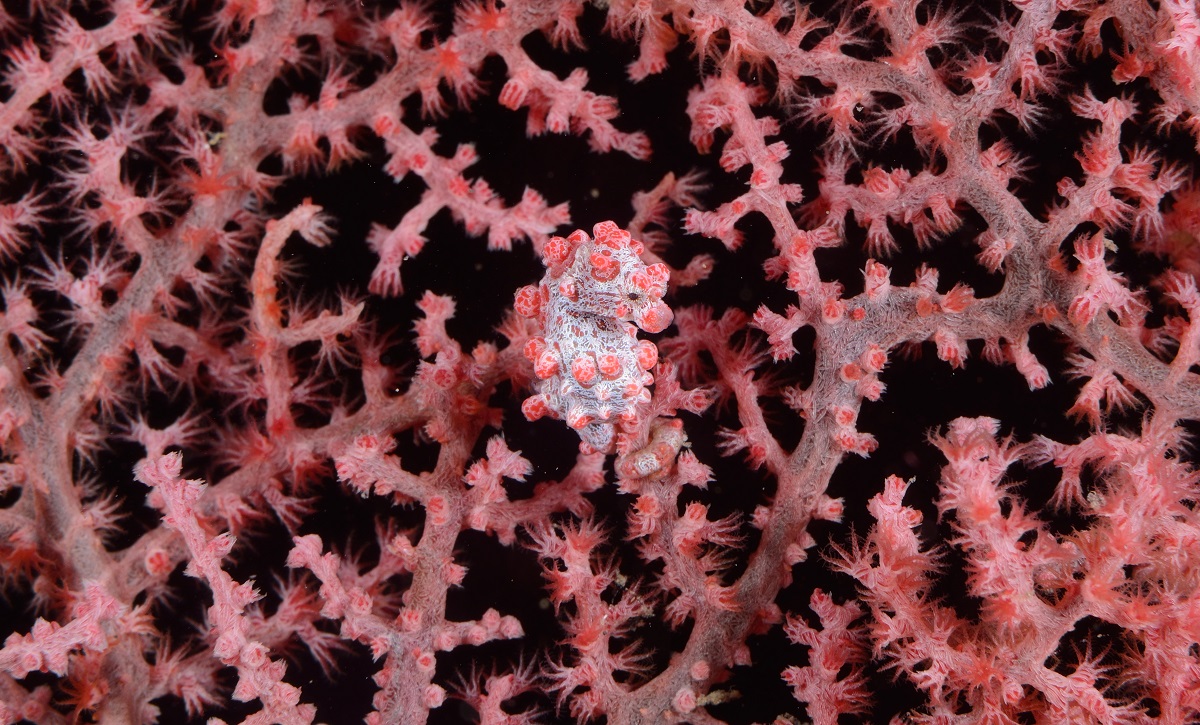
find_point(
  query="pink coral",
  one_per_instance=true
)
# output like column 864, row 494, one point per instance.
column 875, row 405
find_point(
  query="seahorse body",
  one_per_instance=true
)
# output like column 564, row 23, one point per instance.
column 592, row 369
